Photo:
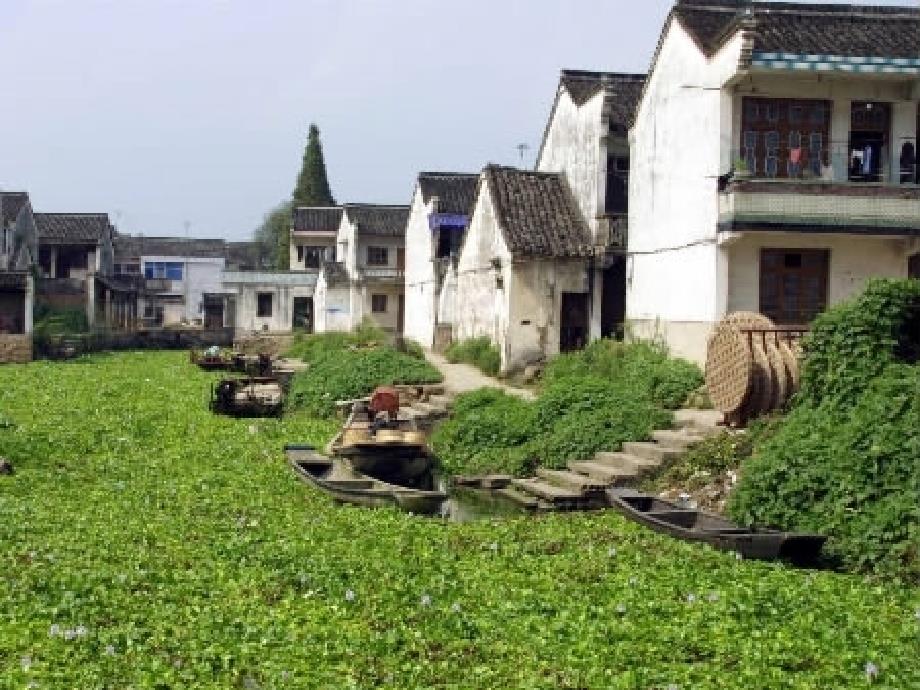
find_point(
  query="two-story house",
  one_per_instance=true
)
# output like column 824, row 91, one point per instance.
column 366, row 279
column 438, row 217
column 586, row 139
column 313, row 236
column 774, row 163
column 525, row 267
column 18, row 253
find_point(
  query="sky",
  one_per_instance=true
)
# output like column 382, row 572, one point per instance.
column 190, row 116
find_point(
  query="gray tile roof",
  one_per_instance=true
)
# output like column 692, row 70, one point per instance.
column 456, row 192
column 72, row 228
column 317, row 218
column 134, row 246
column 845, row 30
column 537, row 213
column 376, row 219
column 623, row 90
column 10, row 205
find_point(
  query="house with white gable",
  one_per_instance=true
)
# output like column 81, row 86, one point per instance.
column 18, row 256
column 586, row 139
column 366, row 279
column 773, row 163
column 438, row 217
column 525, row 268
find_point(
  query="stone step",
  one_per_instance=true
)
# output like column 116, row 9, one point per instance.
column 679, row 439
column 571, row 480
column 430, row 409
column 633, row 464
column 444, row 401
column 603, row 473
column 545, row 490
column 519, row 497
column 651, row 451
column 699, row 419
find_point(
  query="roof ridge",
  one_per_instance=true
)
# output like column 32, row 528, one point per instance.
column 584, row 73
column 433, row 173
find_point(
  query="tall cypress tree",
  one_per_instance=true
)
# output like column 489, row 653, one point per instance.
column 312, row 186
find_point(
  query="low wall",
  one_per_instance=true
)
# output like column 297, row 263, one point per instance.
column 58, row 346
column 15, row 348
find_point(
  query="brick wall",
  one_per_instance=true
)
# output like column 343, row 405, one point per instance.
column 15, row 348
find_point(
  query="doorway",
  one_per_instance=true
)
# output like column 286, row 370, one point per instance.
column 793, row 284
column 870, row 127
column 613, row 299
column 401, row 314
column 913, row 266
column 573, row 321
column 302, row 318
column 213, row 313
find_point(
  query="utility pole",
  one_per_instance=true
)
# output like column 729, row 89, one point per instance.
column 188, row 317
column 522, row 149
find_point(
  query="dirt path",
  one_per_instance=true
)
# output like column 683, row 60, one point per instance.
column 461, row 378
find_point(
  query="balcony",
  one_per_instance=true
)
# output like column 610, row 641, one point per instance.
column 612, row 232
column 60, row 286
column 822, row 193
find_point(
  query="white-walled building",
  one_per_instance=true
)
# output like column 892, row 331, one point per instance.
column 586, row 140
column 525, row 268
column 313, row 236
column 370, row 255
column 438, row 217
column 773, row 163
column 268, row 301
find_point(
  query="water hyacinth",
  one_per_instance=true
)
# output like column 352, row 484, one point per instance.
column 54, row 630
column 612, row 552
column 425, row 600
column 110, row 650
column 349, row 595
column 26, row 662
column 713, row 597
column 691, row 598
column 871, row 671
column 621, row 608
column 455, row 608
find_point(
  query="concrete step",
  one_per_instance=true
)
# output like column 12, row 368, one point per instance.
column 545, row 490
column 571, row 480
column 633, row 464
column 679, row 439
column 699, row 419
column 519, row 498
column 445, row 401
column 603, row 473
column 430, row 409
column 651, row 451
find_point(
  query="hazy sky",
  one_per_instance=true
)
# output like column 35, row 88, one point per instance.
column 163, row 112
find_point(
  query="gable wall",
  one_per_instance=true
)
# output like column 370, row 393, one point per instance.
column 420, row 275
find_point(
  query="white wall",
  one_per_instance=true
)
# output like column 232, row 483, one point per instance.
column 281, row 319
column 331, row 306
column 310, row 239
column 420, row 274
column 199, row 275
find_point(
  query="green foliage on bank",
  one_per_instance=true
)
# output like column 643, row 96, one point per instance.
column 480, row 352
column 591, row 400
column 50, row 321
column 343, row 366
column 145, row 542
column 845, row 462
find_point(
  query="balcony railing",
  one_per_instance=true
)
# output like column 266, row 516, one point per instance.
column 381, row 273
column 612, row 231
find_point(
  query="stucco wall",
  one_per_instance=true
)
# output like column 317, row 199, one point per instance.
column 15, row 348
column 420, row 276
column 331, row 306
column 309, row 239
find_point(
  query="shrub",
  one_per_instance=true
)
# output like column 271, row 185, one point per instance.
column 51, row 320
column 345, row 374
column 309, row 347
column 845, row 461
column 480, row 352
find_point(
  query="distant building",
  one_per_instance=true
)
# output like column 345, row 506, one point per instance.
column 525, row 267
column 438, row 218
column 18, row 255
column 313, row 236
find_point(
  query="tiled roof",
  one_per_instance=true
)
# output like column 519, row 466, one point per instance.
column 840, row 30
column 537, row 213
column 10, row 205
column 317, row 218
column 72, row 228
column 623, row 90
column 374, row 219
column 456, row 192
column 130, row 247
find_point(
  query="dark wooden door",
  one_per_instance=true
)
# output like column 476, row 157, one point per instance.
column 913, row 266
column 793, row 284
column 401, row 314
column 401, row 259
column 303, row 313
column 573, row 321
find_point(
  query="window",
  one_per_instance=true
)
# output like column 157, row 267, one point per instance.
column 378, row 256
column 300, row 252
column 163, row 270
column 264, row 304
column 313, row 256
column 378, row 304
column 617, row 197
column 793, row 284
column 784, row 137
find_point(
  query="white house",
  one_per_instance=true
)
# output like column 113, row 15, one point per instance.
column 267, row 301
column 525, row 269
column 773, row 163
column 438, row 217
column 586, row 140
column 370, row 260
column 18, row 255
column 177, row 273
column 313, row 236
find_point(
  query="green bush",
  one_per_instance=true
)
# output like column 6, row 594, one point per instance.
column 345, row 374
column 845, row 461
column 593, row 400
column 49, row 320
column 309, row 347
column 480, row 352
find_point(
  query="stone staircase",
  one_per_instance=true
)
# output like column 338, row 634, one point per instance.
column 583, row 484
column 433, row 404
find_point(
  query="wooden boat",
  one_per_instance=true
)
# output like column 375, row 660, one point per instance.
column 677, row 521
column 208, row 361
column 338, row 479
column 248, row 397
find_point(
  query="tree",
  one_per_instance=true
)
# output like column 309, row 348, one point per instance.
column 312, row 185
column 273, row 235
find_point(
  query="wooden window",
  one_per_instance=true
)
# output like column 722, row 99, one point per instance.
column 378, row 256
column 785, row 137
column 793, row 284
column 264, row 304
column 378, row 304
column 313, row 256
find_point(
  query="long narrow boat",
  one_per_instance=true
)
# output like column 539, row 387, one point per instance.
column 338, row 479
column 677, row 521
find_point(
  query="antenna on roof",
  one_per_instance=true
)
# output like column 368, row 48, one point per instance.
column 522, row 149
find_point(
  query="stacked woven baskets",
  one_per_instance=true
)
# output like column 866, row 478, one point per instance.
column 752, row 366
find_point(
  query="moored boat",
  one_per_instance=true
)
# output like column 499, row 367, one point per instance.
column 337, row 478
column 248, row 397
column 678, row 521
